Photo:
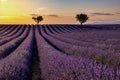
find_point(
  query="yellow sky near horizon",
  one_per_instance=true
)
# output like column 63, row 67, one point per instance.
column 18, row 12
column 51, row 19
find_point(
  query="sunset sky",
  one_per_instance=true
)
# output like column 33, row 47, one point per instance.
column 58, row 11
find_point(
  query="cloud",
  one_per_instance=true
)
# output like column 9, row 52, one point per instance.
column 118, row 13
column 33, row 14
column 97, row 13
column 53, row 15
column 42, row 8
column 49, row 15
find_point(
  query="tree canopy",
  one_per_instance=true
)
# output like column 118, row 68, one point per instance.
column 37, row 19
column 82, row 18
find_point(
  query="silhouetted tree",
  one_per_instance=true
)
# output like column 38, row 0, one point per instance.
column 82, row 18
column 38, row 19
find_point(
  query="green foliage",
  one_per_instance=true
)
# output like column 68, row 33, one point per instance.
column 101, row 59
column 111, row 62
column 82, row 18
column 38, row 19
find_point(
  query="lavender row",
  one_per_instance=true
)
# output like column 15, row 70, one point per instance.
column 105, row 57
column 94, row 35
column 66, row 28
column 60, row 30
column 12, row 33
column 97, row 35
column 101, row 38
column 56, row 65
column 1, row 27
column 5, row 30
column 111, row 40
column 8, row 31
column 93, row 38
column 12, row 45
column 5, row 40
column 82, row 43
column 68, row 40
column 87, row 29
column 18, row 65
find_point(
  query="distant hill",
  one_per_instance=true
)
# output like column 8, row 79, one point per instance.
column 107, row 22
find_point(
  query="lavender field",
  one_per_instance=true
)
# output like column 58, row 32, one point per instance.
column 59, row 52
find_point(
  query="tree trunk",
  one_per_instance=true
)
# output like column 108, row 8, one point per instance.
column 37, row 23
column 81, row 23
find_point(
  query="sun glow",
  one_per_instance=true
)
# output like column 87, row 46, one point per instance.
column 14, row 11
column 19, row 11
column 3, row 0
column 11, row 9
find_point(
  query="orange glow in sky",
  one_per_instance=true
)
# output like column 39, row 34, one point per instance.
column 19, row 11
